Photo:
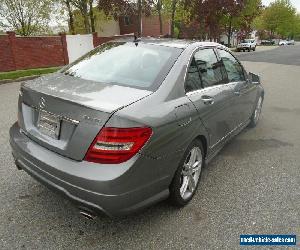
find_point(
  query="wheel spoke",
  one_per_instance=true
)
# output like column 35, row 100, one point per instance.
column 184, row 186
column 192, row 184
column 185, row 170
column 196, row 166
column 258, row 109
column 193, row 157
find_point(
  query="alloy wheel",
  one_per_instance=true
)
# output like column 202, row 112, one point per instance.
column 257, row 111
column 190, row 173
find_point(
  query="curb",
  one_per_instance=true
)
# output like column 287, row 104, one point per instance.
column 25, row 78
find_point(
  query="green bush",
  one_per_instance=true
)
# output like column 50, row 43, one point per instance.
column 29, row 72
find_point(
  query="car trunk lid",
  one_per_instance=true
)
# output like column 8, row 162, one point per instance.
column 75, row 108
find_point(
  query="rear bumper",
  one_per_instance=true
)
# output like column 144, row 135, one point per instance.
column 115, row 190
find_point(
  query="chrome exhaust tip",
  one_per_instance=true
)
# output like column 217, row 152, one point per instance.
column 87, row 215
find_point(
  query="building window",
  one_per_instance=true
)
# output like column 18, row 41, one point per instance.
column 127, row 21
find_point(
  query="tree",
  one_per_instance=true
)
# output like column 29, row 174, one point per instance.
column 28, row 17
column 279, row 18
column 92, row 16
column 209, row 13
column 158, row 7
column 67, row 3
column 173, row 12
column 295, row 34
column 140, row 12
column 183, row 17
column 82, row 5
column 118, row 8
column 251, row 10
column 231, row 13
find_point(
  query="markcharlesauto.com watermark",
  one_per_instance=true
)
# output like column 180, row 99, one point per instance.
column 265, row 239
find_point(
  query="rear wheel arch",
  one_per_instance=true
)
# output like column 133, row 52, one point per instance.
column 200, row 138
column 203, row 140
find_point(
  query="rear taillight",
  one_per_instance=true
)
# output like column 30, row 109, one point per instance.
column 117, row 145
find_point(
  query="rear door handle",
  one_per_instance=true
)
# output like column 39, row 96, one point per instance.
column 208, row 100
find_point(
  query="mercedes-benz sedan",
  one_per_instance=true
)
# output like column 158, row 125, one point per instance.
column 133, row 123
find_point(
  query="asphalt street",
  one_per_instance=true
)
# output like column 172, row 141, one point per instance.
column 251, row 187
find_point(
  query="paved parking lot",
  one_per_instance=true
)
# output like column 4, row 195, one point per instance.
column 252, row 186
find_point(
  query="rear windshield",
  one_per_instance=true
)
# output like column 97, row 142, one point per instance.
column 142, row 66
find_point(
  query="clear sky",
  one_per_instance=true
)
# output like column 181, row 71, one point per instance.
column 295, row 3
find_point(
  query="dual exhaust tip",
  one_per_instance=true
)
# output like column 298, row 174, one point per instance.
column 84, row 212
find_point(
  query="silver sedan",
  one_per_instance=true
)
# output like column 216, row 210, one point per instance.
column 133, row 122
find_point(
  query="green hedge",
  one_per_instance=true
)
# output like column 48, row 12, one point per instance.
column 29, row 72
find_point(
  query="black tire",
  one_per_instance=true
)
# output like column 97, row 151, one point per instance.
column 175, row 197
column 254, row 120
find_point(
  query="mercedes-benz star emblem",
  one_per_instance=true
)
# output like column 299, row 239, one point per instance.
column 42, row 103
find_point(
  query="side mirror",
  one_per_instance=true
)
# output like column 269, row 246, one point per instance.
column 254, row 78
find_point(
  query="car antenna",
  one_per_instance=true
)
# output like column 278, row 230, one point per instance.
column 136, row 40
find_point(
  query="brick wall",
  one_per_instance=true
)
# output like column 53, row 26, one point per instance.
column 18, row 52
column 31, row 52
column 6, row 58
column 151, row 26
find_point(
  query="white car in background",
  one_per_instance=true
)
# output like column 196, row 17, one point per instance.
column 286, row 42
column 247, row 44
column 283, row 43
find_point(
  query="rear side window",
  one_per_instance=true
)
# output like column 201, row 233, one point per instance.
column 142, row 66
column 209, row 66
column 193, row 81
column 233, row 68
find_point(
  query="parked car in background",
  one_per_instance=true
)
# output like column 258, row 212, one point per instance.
column 267, row 42
column 247, row 44
column 283, row 42
column 286, row 42
column 133, row 123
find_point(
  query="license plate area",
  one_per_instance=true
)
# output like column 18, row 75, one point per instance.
column 49, row 124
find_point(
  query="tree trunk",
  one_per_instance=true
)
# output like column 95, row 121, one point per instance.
column 159, row 5
column 86, row 18
column 139, row 31
column 71, row 17
column 92, row 17
column 174, row 3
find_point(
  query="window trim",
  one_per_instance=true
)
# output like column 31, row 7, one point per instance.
column 243, row 69
column 187, row 71
column 190, row 61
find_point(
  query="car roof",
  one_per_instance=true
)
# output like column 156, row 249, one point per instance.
column 169, row 42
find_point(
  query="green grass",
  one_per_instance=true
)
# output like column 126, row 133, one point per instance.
column 29, row 72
